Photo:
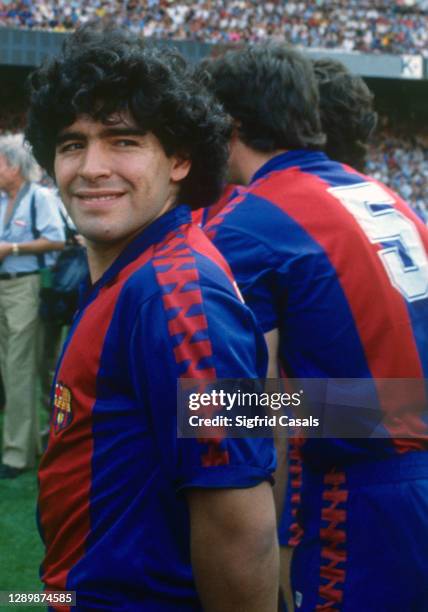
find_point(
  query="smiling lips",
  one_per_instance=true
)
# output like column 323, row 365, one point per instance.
column 98, row 196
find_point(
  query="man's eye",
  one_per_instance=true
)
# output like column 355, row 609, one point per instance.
column 126, row 142
column 70, row 146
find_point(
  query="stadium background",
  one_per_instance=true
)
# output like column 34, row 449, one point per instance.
column 384, row 41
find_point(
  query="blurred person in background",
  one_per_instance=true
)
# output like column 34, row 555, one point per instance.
column 335, row 267
column 30, row 230
column 347, row 112
column 348, row 119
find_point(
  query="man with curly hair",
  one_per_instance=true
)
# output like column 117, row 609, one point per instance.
column 132, row 517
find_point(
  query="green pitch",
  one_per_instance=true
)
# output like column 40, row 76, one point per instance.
column 21, row 550
column 21, row 547
column 19, row 538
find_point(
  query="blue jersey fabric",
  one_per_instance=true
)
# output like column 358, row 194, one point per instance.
column 364, row 529
column 339, row 264
column 112, row 506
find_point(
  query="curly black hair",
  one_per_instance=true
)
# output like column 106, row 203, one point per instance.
column 271, row 93
column 104, row 72
column 347, row 114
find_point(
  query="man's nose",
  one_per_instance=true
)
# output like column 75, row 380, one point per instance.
column 95, row 162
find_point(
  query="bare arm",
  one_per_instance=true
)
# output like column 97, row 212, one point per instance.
column 234, row 548
column 272, row 342
column 33, row 247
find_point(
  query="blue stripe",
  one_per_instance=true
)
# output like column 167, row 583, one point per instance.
column 313, row 344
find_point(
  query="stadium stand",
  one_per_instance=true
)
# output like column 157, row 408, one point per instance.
column 378, row 26
column 402, row 164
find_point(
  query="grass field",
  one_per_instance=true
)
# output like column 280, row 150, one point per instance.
column 21, row 549
column 18, row 534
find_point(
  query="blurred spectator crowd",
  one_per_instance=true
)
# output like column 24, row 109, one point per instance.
column 402, row 164
column 370, row 26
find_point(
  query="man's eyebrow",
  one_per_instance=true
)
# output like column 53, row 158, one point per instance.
column 66, row 136
column 108, row 131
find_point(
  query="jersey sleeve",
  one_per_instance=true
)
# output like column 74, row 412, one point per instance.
column 255, row 270
column 217, row 337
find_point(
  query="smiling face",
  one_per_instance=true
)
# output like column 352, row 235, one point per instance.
column 114, row 180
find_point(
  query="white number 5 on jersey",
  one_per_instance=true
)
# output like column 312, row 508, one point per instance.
column 402, row 254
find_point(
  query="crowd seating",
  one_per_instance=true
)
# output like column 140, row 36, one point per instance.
column 402, row 164
column 370, row 26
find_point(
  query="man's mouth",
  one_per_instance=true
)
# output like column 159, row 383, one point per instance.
column 98, row 196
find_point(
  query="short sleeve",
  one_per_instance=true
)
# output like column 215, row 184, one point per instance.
column 219, row 338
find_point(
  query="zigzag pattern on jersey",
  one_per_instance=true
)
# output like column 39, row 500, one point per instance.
column 333, row 539
column 295, row 475
column 178, row 278
column 212, row 226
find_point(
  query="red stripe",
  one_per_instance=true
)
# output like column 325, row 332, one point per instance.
column 197, row 216
column 168, row 269
column 214, row 209
column 380, row 313
column 211, row 229
column 333, row 540
column 295, row 471
column 65, row 471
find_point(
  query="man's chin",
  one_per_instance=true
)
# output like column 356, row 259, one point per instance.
column 101, row 237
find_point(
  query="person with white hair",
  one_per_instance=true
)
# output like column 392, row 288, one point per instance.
column 30, row 230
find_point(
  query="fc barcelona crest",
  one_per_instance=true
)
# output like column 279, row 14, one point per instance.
column 63, row 414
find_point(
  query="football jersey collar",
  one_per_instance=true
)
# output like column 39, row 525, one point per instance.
column 153, row 234
column 297, row 157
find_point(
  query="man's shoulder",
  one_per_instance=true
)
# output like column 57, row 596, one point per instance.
column 258, row 208
column 39, row 188
column 189, row 262
column 178, row 268
column 42, row 192
column 251, row 220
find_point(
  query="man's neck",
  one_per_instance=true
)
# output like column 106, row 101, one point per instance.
column 100, row 259
column 101, row 255
column 248, row 161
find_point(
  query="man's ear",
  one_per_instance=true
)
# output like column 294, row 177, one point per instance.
column 180, row 168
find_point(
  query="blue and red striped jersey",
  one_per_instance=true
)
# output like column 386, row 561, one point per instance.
column 202, row 216
column 112, row 512
column 338, row 263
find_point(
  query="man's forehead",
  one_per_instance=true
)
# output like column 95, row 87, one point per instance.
column 88, row 124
